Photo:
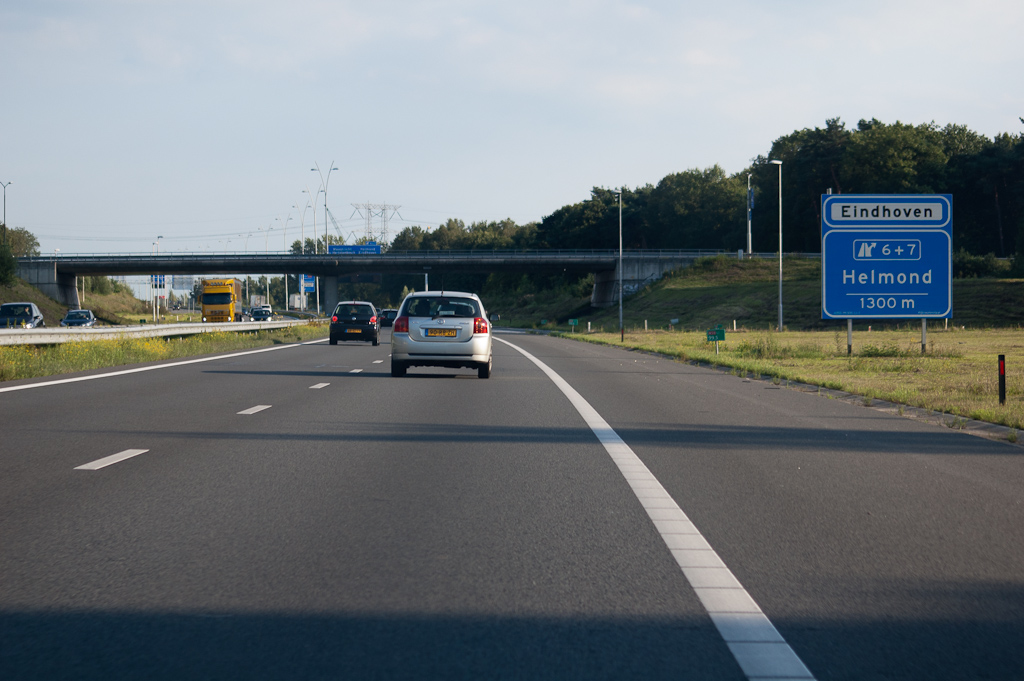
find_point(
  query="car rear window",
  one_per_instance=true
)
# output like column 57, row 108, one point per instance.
column 442, row 306
column 357, row 311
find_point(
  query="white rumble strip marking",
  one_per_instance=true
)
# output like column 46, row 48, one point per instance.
column 253, row 410
column 756, row 644
column 108, row 460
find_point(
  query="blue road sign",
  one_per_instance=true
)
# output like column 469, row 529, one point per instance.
column 308, row 283
column 886, row 256
column 362, row 249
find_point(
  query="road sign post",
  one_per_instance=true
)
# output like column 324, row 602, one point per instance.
column 886, row 256
column 716, row 334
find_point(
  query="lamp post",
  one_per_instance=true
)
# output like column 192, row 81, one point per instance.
column 5, row 209
column 750, row 246
column 622, row 329
column 302, row 250
column 285, row 274
column 312, row 200
column 323, row 183
column 779, row 164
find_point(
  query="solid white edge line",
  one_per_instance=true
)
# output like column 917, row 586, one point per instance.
column 253, row 410
column 755, row 643
column 136, row 370
column 108, row 460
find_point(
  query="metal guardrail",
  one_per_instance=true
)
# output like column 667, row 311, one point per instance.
column 279, row 255
column 65, row 335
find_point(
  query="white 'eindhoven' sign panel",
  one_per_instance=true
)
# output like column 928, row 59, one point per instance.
column 886, row 256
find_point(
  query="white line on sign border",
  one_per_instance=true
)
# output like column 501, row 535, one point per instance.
column 756, row 644
column 108, row 460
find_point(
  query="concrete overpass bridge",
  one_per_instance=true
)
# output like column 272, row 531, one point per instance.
column 57, row 275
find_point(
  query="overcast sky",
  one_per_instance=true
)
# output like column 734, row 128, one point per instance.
column 199, row 121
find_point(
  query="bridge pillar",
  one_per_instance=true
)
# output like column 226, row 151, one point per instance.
column 636, row 274
column 606, row 289
column 330, row 294
column 61, row 286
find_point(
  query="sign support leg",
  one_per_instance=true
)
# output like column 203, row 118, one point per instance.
column 849, row 337
column 924, row 336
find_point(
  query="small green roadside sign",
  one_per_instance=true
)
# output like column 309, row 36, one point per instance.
column 716, row 334
column 574, row 322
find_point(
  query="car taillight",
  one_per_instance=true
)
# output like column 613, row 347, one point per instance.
column 334, row 318
column 401, row 325
column 479, row 325
column 373, row 320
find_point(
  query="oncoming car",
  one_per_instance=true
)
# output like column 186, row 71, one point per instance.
column 355, row 320
column 79, row 318
column 21, row 315
column 259, row 314
column 441, row 329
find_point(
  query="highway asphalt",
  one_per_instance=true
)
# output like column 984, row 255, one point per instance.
column 440, row 526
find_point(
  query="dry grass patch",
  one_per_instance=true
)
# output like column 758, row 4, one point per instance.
column 957, row 375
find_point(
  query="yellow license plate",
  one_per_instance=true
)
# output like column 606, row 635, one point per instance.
column 353, row 330
column 446, row 333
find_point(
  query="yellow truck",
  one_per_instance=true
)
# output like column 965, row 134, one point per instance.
column 222, row 300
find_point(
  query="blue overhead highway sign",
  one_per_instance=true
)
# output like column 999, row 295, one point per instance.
column 886, row 256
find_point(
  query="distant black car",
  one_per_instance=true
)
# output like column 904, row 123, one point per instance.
column 387, row 316
column 355, row 320
column 20, row 315
column 79, row 318
column 259, row 314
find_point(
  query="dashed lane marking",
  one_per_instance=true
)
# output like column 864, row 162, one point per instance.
column 318, row 386
column 108, row 460
column 253, row 410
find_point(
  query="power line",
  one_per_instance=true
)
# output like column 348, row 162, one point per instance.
column 383, row 211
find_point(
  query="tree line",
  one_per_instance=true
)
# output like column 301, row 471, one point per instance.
column 707, row 208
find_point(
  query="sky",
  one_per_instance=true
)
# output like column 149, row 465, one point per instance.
column 199, row 121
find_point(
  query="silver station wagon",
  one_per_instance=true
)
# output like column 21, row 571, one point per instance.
column 441, row 329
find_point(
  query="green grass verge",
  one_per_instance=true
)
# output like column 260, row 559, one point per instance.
column 957, row 375
column 26, row 361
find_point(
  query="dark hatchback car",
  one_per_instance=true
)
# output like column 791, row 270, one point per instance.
column 79, row 318
column 387, row 316
column 355, row 320
column 259, row 314
column 20, row 315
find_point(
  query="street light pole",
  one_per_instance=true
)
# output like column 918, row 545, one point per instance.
column 316, row 249
column 750, row 246
column 324, row 183
column 5, row 209
column 285, row 274
column 622, row 329
column 779, row 164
